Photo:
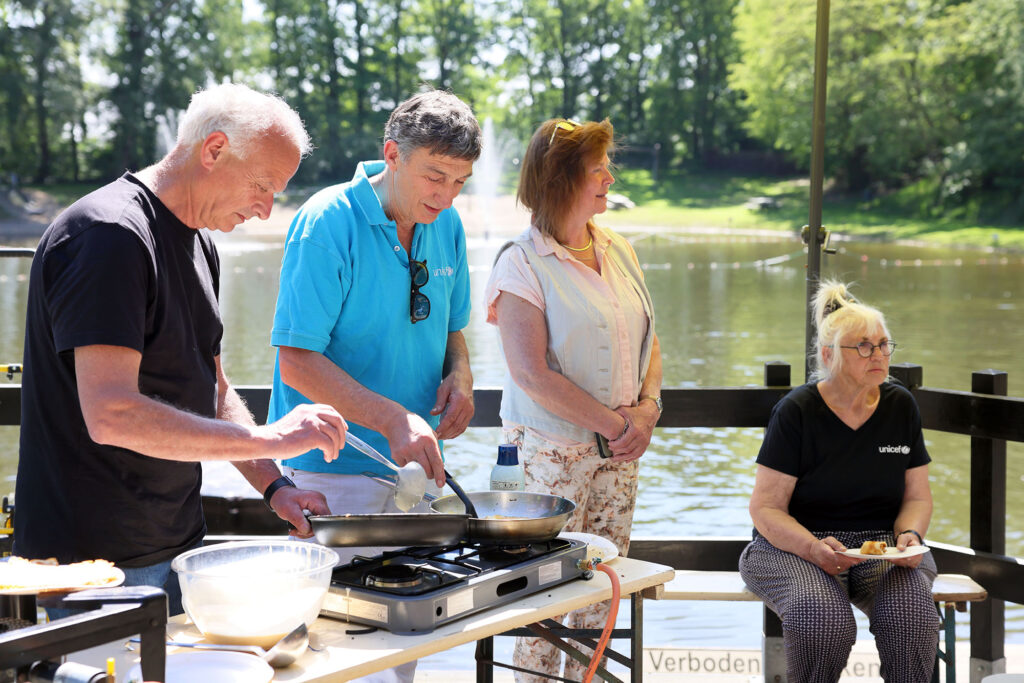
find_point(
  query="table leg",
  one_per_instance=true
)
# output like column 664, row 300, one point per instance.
column 636, row 637
column 485, row 660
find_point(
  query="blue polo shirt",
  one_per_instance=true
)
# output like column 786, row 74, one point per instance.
column 344, row 292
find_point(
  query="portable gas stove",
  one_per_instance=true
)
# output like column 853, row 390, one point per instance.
column 415, row 590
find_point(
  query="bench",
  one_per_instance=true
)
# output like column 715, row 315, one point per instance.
column 951, row 593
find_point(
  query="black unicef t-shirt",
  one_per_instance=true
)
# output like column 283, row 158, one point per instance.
column 116, row 268
column 847, row 480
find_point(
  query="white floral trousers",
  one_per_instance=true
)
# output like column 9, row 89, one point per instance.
column 605, row 496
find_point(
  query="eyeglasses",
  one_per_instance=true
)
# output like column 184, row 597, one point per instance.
column 566, row 125
column 866, row 349
column 419, row 304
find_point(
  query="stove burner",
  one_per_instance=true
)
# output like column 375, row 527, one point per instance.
column 503, row 554
column 513, row 549
column 414, row 590
column 394, row 576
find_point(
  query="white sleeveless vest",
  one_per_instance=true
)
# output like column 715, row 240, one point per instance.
column 579, row 337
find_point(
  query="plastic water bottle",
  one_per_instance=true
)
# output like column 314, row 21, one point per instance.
column 507, row 474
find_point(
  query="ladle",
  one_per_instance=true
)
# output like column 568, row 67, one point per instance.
column 410, row 478
column 282, row 654
column 463, row 496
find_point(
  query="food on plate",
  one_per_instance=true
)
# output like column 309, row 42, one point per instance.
column 21, row 574
column 873, row 548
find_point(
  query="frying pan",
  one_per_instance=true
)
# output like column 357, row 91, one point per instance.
column 510, row 516
column 389, row 529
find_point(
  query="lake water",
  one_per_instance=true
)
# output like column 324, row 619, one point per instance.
column 725, row 306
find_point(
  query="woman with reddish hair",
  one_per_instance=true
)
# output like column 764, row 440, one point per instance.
column 576, row 322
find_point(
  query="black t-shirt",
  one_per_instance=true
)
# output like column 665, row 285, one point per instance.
column 116, row 268
column 847, row 480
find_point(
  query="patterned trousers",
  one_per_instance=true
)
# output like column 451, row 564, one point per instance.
column 817, row 618
column 605, row 495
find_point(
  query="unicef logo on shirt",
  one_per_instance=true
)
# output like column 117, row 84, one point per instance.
column 443, row 271
column 905, row 450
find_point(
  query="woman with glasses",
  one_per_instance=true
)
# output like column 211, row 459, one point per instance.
column 844, row 462
column 577, row 327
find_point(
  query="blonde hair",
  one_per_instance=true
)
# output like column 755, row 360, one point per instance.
column 837, row 313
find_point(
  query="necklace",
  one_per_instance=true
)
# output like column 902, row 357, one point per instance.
column 583, row 248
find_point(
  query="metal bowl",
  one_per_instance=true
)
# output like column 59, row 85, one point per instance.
column 511, row 516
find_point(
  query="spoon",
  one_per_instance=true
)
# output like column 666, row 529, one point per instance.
column 390, row 483
column 410, row 478
column 282, row 654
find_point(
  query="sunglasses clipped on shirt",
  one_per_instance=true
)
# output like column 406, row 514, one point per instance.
column 419, row 304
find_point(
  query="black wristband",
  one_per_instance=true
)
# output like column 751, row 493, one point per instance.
column 278, row 483
column 910, row 531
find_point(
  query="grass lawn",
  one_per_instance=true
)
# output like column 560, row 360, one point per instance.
column 717, row 200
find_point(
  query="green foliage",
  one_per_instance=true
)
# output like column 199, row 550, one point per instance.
column 922, row 94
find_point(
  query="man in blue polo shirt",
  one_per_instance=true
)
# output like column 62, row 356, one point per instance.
column 374, row 294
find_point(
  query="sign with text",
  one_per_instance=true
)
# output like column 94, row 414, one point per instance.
column 736, row 662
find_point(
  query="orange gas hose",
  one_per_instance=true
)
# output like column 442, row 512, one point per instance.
column 606, row 634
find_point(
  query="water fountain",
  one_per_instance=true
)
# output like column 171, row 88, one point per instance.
column 497, row 149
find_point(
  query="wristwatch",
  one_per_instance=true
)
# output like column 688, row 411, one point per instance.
column 278, row 483
column 657, row 402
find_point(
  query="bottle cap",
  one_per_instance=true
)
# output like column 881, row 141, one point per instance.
column 508, row 454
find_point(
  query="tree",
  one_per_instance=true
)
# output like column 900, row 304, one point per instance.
column 166, row 50
column 694, row 104
column 879, row 102
column 981, row 64
column 43, row 36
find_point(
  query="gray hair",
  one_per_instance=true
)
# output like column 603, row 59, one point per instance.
column 836, row 314
column 242, row 114
column 437, row 121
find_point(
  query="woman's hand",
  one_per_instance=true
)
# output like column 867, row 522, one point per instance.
column 825, row 554
column 637, row 438
column 904, row 541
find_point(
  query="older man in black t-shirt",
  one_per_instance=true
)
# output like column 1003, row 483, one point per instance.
column 123, row 391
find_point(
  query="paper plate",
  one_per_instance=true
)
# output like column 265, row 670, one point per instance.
column 597, row 546
column 53, row 579
column 891, row 553
column 222, row 667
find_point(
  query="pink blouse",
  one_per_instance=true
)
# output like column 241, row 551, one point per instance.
column 513, row 274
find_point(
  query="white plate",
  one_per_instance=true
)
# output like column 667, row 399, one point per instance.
column 597, row 546
column 891, row 553
column 117, row 574
column 222, row 667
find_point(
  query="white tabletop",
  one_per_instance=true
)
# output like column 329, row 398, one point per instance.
column 343, row 657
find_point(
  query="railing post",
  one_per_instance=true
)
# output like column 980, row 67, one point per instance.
column 908, row 374
column 773, row 651
column 777, row 374
column 988, row 532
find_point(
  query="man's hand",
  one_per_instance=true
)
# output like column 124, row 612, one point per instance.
column 455, row 401
column 411, row 438
column 306, row 427
column 290, row 504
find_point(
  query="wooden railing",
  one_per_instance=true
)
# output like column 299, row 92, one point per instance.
column 985, row 414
